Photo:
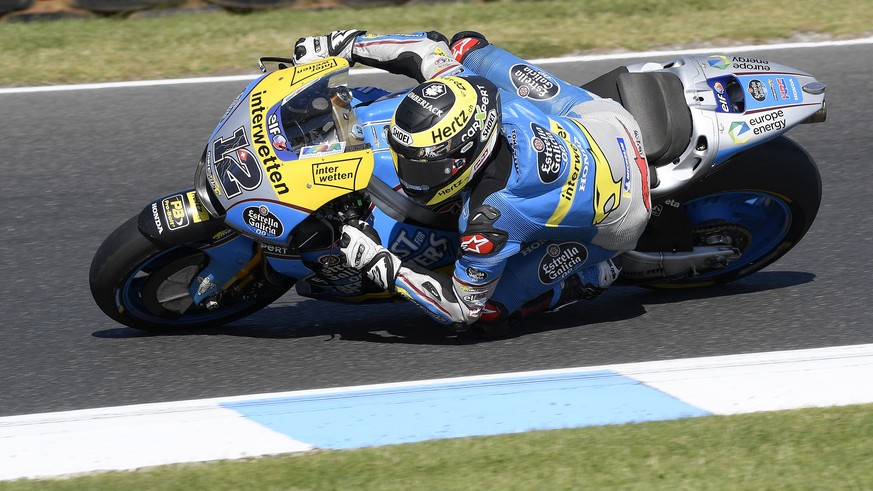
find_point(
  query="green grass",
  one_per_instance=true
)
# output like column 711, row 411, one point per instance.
column 811, row 449
column 110, row 49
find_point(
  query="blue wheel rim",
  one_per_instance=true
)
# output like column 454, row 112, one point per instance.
column 130, row 295
column 766, row 218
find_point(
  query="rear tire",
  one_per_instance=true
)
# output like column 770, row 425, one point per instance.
column 144, row 284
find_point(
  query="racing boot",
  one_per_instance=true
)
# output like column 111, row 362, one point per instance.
column 494, row 323
column 588, row 283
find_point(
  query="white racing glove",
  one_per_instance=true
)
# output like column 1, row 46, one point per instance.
column 360, row 244
column 337, row 43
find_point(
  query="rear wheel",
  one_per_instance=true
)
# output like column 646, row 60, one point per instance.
column 756, row 225
column 145, row 285
column 761, row 203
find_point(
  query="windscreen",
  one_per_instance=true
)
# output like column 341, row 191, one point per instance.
column 318, row 114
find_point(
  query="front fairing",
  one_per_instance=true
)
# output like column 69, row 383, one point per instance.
column 283, row 149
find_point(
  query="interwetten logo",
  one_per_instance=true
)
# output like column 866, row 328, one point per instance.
column 338, row 174
column 263, row 145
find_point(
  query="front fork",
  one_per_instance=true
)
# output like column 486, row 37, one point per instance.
column 230, row 265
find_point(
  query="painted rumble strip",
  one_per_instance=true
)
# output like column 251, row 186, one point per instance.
column 129, row 437
column 361, row 418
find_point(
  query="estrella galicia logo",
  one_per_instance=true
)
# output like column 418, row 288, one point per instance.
column 550, row 153
column 758, row 91
column 476, row 274
column 262, row 221
column 560, row 260
column 532, row 82
column 740, row 132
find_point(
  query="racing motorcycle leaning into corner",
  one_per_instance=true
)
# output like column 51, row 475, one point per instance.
column 299, row 153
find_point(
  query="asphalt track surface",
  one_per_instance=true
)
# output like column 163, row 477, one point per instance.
column 75, row 164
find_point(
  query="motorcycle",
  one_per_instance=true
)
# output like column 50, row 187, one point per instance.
column 299, row 153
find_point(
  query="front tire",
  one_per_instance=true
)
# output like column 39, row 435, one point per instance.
column 144, row 284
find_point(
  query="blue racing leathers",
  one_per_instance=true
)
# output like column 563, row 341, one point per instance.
column 565, row 190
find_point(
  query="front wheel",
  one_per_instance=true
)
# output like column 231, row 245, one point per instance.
column 145, row 285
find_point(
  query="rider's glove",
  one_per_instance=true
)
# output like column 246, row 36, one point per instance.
column 337, row 43
column 360, row 244
column 464, row 42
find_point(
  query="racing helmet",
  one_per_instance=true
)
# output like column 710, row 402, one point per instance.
column 441, row 135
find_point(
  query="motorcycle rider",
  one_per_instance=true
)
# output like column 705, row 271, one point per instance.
column 537, row 163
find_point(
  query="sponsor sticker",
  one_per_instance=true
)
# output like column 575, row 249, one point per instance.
column 426, row 104
column 322, row 150
column 400, row 136
column 338, row 174
column 607, row 189
column 157, row 218
column 532, row 82
column 262, row 131
column 757, row 90
column 719, row 61
column 753, row 64
column 739, row 132
column 550, row 154
column 262, row 221
column 309, row 70
column 462, row 47
column 198, row 212
column 771, row 121
column 276, row 251
column 739, row 63
column 560, row 260
column 434, row 91
column 424, row 249
column 577, row 166
column 174, row 212
column 476, row 274
column 477, row 244
column 721, row 98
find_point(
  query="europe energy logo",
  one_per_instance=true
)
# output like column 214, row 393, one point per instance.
column 740, row 132
column 719, row 61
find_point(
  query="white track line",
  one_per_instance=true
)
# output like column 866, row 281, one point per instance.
column 363, row 71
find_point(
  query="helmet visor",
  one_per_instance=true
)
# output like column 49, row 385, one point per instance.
column 421, row 176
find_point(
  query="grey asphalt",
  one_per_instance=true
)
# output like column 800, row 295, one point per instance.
column 74, row 165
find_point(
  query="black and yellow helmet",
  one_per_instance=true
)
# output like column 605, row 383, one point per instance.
column 442, row 134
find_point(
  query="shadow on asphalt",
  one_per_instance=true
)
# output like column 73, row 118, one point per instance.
column 295, row 317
